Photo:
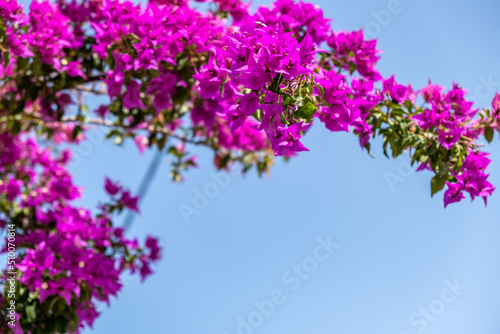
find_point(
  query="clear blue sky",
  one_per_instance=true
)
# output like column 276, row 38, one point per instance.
column 397, row 246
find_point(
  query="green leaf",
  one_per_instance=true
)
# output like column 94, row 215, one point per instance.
column 368, row 149
column 76, row 131
column 288, row 99
column 73, row 318
column 322, row 91
column 398, row 111
column 57, row 305
column 2, row 33
column 488, row 134
column 6, row 58
column 307, row 111
column 437, row 183
column 16, row 127
column 409, row 105
column 283, row 119
column 22, row 63
column 61, row 324
column 275, row 84
column 161, row 142
column 174, row 151
column 32, row 91
column 36, row 66
column 30, row 312
column 224, row 161
column 221, row 88
column 352, row 68
column 182, row 62
column 386, row 143
column 113, row 133
column 19, row 107
column 258, row 114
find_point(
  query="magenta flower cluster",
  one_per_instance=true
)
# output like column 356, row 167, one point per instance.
column 472, row 179
column 66, row 251
column 256, row 58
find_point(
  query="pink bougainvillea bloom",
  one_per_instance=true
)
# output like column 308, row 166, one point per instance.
column 287, row 140
column 427, row 119
column 495, row 104
column 145, row 270
column 307, row 50
column 388, row 83
column 450, row 137
column 399, row 93
column 205, row 112
column 210, row 79
column 425, row 166
column 412, row 95
column 12, row 188
column 114, row 80
column 456, row 95
column 112, row 188
column 152, row 245
column 432, row 93
column 102, row 111
column 130, row 202
column 74, row 69
column 64, row 100
column 249, row 103
column 253, row 76
column 336, row 117
column 132, row 97
column 273, row 103
column 123, row 61
column 269, row 124
column 146, row 61
column 473, row 178
column 364, row 132
column 141, row 142
column 453, row 194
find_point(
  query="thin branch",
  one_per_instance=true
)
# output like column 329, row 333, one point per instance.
column 151, row 128
column 92, row 89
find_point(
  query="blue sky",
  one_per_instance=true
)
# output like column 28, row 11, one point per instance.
column 401, row 263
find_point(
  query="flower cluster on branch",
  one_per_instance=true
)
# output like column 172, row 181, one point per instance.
column 247, row 86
